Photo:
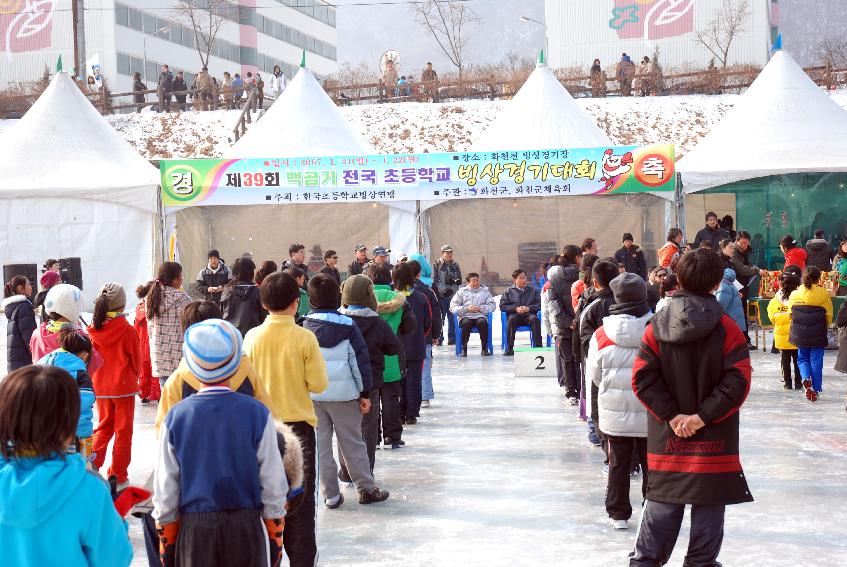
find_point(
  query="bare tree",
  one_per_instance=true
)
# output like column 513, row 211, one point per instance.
column 448, row 22
column 717, row 36
column 206, row 18
column 832, row 51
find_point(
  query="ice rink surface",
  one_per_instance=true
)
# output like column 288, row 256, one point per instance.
column 499, row 472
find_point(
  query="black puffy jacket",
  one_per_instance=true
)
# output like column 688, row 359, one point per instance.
column 808, row 327
column 207, row 278
column 633, row 260
column 560, row 292
column 242, row 306
column 380, row 339
column 435, row 306
column 19, row 328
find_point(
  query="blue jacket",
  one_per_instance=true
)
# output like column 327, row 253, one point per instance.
column 730, row 300
column 74, row 366
column 348, row 363
column 54, row 512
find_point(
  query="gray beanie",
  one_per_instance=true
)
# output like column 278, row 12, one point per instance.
column 115, row 296
column 358, row 290
column 630, row 293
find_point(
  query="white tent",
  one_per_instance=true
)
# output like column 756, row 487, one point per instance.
column 783, row 124
column 542, row 115
column 72, row 187
column 304, row 122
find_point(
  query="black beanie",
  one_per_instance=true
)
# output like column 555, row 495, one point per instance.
column 627, row 236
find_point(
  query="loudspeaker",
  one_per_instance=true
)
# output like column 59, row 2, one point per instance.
column 71, row 271
column 28, row 270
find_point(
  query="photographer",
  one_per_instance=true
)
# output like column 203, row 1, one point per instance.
column 447, row 279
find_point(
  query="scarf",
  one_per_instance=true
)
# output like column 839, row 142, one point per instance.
column 59, row 326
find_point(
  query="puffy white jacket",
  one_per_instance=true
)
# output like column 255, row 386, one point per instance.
column 549, row 309
column 467, row 297
column 611, row 356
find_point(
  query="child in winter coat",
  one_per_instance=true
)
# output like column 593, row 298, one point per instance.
column 165, row 301
column 730, row 299
column 54, row 512
column 359, row 303
column 693, row 374
column 240, row 300
column 781, row 318
column 75, row 352
column 149, row 388
column 63, row 305
column 623, row 420
column 811, row 315
column 794, row 255
column 667, row 289
column 116, row 382
column 219, row 484
column 288, row 361
column 422, row 270
column 340, row 407
column 20, row 322
column 414, row 344
column 48, row 279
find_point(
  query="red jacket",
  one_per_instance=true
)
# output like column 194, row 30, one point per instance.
column 796, row 257
column 118, row 343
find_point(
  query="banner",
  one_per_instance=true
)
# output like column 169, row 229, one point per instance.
column 411, row 177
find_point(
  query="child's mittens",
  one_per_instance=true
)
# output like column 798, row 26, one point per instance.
column 167, row 543
column 275, row 527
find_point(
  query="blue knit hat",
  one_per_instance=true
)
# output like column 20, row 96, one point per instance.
column 212, row 350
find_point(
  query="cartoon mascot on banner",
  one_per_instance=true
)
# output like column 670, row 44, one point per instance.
column 613, row 167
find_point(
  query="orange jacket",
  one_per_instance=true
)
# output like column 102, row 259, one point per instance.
column 667, row 253
column 118, row 343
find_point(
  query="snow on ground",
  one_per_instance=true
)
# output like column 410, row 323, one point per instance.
column 444, row 127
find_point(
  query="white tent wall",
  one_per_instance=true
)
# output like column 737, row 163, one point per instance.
column 495, row 236
column 267, row 231
column 114, row 242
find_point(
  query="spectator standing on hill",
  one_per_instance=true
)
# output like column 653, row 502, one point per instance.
column 625, row 72
column 179, row 85
column 389, row 79
column 138, row 88
column 429, row 80
column 277, row 82
column 166, row 80
column 204, row 88
column 598, row 85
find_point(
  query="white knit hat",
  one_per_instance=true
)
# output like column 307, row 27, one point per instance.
column 64, row 300
column 212, row 350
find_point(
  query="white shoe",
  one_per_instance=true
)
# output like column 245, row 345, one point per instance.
column 425, row 404
column 619, row 524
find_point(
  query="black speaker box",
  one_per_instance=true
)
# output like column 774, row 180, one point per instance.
column 28, row 270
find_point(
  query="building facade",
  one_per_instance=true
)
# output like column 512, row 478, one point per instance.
column 581, row 31
column 131, row 36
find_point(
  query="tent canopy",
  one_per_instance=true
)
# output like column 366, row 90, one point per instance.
column 783, row 124
column 62, row 147
column 542, row 115
column 304, row 122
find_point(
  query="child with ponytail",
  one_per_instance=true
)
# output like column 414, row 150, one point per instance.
column 148, row 385
column 165, row 301
column 116, row 382
column 20, row 322
column 811, row 315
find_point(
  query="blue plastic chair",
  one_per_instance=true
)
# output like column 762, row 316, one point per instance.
column 505, row 335
column 475, row 330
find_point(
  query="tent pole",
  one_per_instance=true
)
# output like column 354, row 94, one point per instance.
column 680, row 204
column 162, row 229
column 418, row 228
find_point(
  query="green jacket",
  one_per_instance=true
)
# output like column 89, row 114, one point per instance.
column 390, row 308
column 304, row 307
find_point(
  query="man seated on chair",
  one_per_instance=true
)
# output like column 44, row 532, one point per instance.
column 521, row 304
column 472, row 304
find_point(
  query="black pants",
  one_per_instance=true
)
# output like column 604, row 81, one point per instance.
column 620, row 451
column 789, row 356
column 481, row 324
column 567, row 362
column 746, row 328
column 225, row 539
column 299, row 535
column 659, row 529
column 451, row 323
column 151, row 540
column 392, row 427
column 516, row 320
column 595, row 417
column 410, row 397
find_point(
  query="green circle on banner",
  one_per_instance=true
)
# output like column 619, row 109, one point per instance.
column 184, row 183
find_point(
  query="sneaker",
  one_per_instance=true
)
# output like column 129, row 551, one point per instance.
column 798, row 384
column 636, row 471
column 509, row 352
column 573, row 400
column 606, row 469
column 145, row 401
column 619, row 524
column 411, row 420
column 594, row 439
column 425, row 404
column 485, row 352
column 465, row 352
column 811, row 395
column 334, row 503
column 389, row 444
column 786, row 386
column 345, row 480
column 375, row 495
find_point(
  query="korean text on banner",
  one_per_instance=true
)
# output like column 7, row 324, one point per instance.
column 437, row 176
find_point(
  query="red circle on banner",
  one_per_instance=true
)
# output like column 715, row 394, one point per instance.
column 654, row 169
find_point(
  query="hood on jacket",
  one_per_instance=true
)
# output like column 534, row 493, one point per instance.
column 112, row 331
column 426, row 268
column 65, row 360
column 817, row 244
column 330, row 327
column 239, row 290
column 12, row 300
column 626, row 330
column 34, row 489
column 388, row 300
column 687, row 318
column 729, row 275
column 359, row 312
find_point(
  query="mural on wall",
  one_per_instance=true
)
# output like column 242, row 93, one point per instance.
column 25, row 25
column 652, row 19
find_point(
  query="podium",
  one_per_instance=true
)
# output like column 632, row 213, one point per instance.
column 535, row 362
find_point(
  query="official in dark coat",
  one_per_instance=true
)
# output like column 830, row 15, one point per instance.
column 632, row 257
column 521, row 304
